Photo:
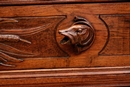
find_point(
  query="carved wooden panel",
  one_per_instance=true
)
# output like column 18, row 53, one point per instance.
column 118, row 42
column 43, row 48
column 31, row 53
column 28, row 37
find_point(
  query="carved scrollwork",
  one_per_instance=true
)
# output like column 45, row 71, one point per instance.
column 80, row 34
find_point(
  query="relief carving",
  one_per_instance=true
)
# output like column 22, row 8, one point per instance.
column 28, row 37
column 5, row 54
column 12, row 38
column 80, row 34
column 3, row 20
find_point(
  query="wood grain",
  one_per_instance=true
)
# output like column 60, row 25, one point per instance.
column 87, row 69
column 68, row 77
column 30, row 37
column 119, row 35
column 45, row 2
column 91, row 12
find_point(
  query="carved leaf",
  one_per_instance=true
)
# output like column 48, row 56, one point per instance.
column 30, row 37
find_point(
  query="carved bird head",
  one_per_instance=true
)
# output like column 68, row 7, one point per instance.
column 80, row 34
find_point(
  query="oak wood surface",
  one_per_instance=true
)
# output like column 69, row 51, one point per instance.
column 73, row 77
column 105, row 63
column 91, row 12
column 42, row 2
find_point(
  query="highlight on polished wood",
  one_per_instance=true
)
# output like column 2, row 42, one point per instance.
column 80, row 34
column 64, row 43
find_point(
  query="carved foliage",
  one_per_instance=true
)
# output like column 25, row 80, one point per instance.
column 28, row 37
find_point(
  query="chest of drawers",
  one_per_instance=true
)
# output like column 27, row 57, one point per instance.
column 64, row 43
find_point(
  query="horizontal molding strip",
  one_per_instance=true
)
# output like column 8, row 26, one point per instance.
column 86, row 76
column 45, row 2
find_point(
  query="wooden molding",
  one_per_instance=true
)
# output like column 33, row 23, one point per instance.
column 45, row 2
column 103, row 64
column 105, row 76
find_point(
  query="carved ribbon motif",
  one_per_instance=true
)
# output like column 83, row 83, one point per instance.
column 80, row 34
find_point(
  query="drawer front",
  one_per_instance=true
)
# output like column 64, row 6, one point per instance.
column 71, row 36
